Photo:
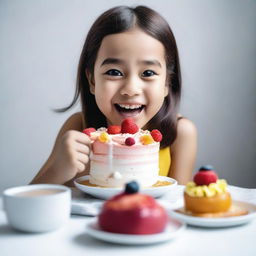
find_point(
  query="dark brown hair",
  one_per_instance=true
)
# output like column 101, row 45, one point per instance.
column 118, row 20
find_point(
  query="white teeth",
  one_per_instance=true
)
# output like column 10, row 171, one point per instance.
column 129, row 106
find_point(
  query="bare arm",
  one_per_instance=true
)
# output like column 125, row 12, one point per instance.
column 70, row 154
column 183, row 151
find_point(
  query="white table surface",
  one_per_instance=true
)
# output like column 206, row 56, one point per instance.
column 72, row 239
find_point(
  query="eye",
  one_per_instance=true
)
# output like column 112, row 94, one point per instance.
column 113, row 72
column 148, row 73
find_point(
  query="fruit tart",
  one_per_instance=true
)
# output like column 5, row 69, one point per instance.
column 208, row 196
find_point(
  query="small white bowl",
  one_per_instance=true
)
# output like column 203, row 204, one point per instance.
column 37, row 208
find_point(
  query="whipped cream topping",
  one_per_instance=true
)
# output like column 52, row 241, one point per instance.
column 206, row 191
column 121, row 137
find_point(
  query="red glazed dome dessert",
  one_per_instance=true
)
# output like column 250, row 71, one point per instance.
column 132, row 213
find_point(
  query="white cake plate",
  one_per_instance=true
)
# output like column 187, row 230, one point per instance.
column 106, row 193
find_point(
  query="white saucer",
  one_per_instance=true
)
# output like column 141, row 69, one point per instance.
column 218, row 222
column 106, row 193
column 173, row 229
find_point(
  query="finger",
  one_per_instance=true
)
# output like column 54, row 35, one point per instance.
column 83, row 138
column 82, row 148
column 80, row 166
column 83, row 158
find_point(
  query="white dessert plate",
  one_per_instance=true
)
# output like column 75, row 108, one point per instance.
column 173, row 229
column 218, row 222
column 106, row 193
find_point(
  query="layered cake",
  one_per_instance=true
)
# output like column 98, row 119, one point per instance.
column 208, row 196
column 123, row 153
column 132, row 213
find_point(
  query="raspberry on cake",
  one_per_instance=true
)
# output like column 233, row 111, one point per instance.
column 88, row 131
column 124, row 153
column 157, row 136
column 128, row 126
column 114, row 129
column 132, row 213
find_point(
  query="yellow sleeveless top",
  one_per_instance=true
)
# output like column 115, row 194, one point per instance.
column 164, row 161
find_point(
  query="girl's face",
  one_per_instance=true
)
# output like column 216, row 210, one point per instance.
column 129, row 77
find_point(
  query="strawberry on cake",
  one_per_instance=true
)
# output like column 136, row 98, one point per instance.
column 124, row 153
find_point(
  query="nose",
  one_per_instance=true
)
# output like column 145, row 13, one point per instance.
column 131, row 86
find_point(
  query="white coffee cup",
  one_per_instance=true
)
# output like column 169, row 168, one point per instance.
column 37, row 208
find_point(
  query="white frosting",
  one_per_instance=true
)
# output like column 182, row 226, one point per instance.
column 113, row 163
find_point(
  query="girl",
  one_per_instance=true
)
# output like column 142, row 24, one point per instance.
column 129, row 67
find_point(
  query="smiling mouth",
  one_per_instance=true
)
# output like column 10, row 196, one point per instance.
column 129, row 110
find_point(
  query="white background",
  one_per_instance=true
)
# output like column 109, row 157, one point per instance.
column 40, row 44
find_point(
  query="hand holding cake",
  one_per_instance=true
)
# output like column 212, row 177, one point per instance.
column 69, row 158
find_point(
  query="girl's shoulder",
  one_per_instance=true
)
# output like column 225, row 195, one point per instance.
column 186, row 133
column 185, row 127
column 75, row 122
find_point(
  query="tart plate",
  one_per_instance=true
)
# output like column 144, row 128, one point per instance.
column 221, row 221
